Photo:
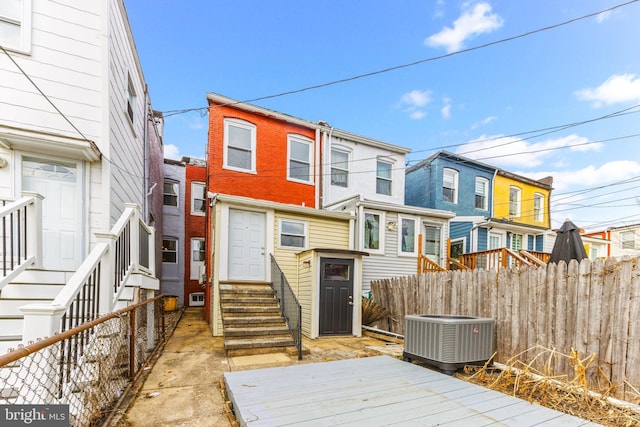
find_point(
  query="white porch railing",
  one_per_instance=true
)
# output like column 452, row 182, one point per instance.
column 96, row 286
column 20, row 226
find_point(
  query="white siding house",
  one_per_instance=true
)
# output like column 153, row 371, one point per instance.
column 74, row 126
column 366, row 177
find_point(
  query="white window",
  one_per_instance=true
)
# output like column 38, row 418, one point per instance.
column 456, row 249
column 15, row 25
column 407, row 238
column 198, row 198
column 339, row 168
column 628, row 240
column 239, row 145
column 197, row 258
column 538, row 207
column 516, row 242
column 170, row 192
column 169, row 250
column 383, row 177
column 450, row 185
column 432, row 242
column 371, row 232
column 514, row 202
column 482, row 190
column 131, row 98
column 293, row 234
column 300, row 159
column 495, row 241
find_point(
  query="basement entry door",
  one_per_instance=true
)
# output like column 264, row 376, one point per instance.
column 246, row 245
column 336, row 296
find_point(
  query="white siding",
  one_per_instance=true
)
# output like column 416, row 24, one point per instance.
column 126, row 156
column 65, row 64
column 362, row 173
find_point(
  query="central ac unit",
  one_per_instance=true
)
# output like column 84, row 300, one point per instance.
column 448, row 341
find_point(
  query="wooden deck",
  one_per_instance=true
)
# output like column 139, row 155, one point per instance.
column 376, row 391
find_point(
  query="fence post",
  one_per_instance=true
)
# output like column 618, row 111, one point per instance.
column 419, row 254
column 34, row 228
column 134, row 238
column 107, row 274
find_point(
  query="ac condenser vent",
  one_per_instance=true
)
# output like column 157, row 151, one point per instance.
column 448, row 341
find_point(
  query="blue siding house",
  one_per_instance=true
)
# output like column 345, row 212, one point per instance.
column 448, row 181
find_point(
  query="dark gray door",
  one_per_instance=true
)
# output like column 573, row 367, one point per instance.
column 336, row 296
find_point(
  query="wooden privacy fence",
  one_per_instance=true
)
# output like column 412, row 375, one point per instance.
column 592, row 307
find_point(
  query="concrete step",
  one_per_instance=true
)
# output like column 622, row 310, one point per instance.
column 43, row 277
column 241, row 320
column 258, row 343
column 243, row 300
column 250, row 309
column 256, row 331
column 246, row 288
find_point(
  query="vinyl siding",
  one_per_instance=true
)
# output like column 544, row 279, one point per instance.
column 126, row 156
column 321, row 233
column 64, row 62
column 390, row 263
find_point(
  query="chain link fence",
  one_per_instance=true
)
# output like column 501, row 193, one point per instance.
column 88, row 367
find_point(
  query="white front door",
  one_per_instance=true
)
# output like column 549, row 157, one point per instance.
column 246, row 245
column 61, row 210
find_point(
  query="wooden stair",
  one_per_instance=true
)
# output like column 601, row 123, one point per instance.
column 252, row 321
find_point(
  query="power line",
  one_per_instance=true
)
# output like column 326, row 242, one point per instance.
column 170, row 113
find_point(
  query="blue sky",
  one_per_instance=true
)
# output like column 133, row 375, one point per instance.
column 476, row 87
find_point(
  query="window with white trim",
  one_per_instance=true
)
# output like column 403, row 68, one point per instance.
column 339, row 168
column 15, row 25
column 450, row 185
column 169, row 250
column 372, row 234
column 482, row 190
column 628, row 240
column 198, row 198
column 239, row 145
column 131, row 98
column 300, row 159
column 432, row 242
column 383, row 177
column 514, row 202
column 407, row 238
column 197, row 257
column 293, row 234
column 538, row 207
column 171, row 189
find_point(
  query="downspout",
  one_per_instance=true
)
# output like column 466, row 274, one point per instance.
column 319, row 170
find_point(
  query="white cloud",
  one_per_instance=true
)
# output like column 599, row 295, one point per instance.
column 416, row 98
column 603, row 16
column 483, row 122
column 171, row 152
column 509, row 152
column 472, row 22
column 411, row 102
column 617, row 170
column 618, row 88
column 446, row 109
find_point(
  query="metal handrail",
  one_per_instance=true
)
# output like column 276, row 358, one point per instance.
column 289, row 305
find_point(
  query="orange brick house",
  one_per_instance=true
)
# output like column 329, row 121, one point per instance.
column 261, row 154
column 194, row 231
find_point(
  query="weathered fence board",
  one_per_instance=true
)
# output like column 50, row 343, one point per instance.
column 592, row 307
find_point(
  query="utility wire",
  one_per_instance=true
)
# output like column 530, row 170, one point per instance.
column 170, row 113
